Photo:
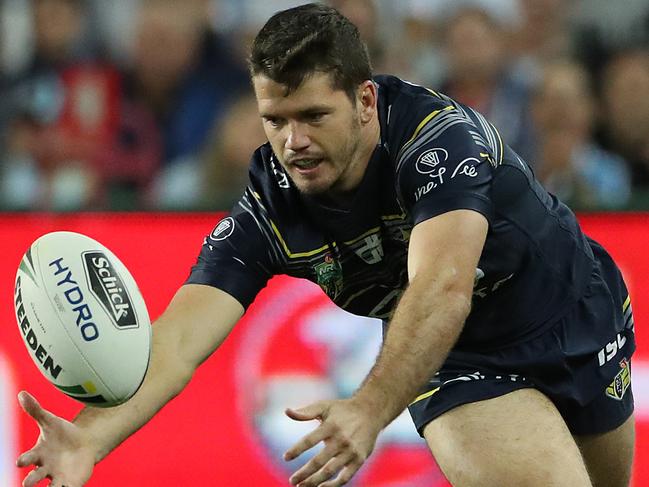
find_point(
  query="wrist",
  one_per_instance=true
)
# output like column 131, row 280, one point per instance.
column 90, row 442
column 377, row 403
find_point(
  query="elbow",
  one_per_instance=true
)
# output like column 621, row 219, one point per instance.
column 168, row 368
column 460, row 301
column 449, row 291
column 172, row 379
column 441, row 310
column 183, row 377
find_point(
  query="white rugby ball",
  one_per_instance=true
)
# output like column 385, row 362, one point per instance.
column 83, row 319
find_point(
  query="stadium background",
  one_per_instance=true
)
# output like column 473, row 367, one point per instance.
column 139, row 109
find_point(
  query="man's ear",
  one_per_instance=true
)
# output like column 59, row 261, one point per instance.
column 367, row 97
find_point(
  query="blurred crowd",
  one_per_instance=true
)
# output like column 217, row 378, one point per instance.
column 146, row 104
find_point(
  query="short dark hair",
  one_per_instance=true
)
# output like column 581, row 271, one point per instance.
column 297, row 42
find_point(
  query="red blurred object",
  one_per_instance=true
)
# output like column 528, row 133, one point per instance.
column 91, row 103
column 88, row 119
column 202, row 437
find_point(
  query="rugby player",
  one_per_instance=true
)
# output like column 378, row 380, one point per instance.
column 508, row 333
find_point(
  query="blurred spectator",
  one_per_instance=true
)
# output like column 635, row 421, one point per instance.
column 21, row 183
column 242, row 19
column 115, row 22
column 60, row 32
column 625, row 118
column 419, row 53
column 77, row 134
column 480, row 71
column 234, row 139
column 568, row 162
column 128, row 166
column 603, row 27
column 185, row 75
column 16, row 40
column 413, row 51
column 60, row 112
column 365, row 14
column 542, row 36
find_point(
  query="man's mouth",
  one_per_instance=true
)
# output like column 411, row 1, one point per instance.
column 306, row 164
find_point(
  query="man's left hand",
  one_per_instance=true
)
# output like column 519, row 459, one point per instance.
column 349, row 433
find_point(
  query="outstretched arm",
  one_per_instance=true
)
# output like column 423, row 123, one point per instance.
column 442, row 258
column 196, row 322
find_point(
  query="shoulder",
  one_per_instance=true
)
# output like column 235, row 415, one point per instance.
column 414, row 116
column 443, row 153
column 403, row 101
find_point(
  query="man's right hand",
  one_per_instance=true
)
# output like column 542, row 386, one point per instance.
column 195, row 323
column 63, row 453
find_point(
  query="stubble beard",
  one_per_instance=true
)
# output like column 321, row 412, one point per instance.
column 345, row 158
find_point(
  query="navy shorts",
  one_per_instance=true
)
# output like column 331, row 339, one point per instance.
column 583, row 364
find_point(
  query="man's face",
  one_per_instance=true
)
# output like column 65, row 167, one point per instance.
column 314, row 131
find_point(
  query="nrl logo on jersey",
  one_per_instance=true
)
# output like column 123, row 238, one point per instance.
column 329, row 276
column 621, row 382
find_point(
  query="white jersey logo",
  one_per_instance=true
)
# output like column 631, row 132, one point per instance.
column 429, row 160
column 223, row 230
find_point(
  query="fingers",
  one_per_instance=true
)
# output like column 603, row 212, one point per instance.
column 315, row 464
column 309, row 441
column 31, row 406
column 320, row 468
column 34, row 477
column 307, row 413
column 28, row 458
column 344, row 476
column 346, row 446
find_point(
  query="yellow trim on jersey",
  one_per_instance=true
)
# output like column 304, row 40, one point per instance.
column 488, row 157
column 355, row 295
column 361, row 237
column 421, row 125
column 626, row 304
column 424, row 396
column 296, row 255
column 393, row 217
column 434, row 93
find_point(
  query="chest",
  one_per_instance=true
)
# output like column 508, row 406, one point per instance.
column 358, row 258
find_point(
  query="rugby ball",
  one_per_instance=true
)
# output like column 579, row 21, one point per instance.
column 82, row 318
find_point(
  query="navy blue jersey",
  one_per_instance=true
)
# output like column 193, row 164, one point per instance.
column 435, row 155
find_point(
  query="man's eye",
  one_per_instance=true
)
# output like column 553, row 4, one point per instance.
column 316, row 117
column 273, row 122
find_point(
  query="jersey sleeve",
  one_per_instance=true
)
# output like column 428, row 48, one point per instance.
column 446, row 165
column 234, row 256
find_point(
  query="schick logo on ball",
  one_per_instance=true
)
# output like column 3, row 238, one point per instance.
column 109, row 289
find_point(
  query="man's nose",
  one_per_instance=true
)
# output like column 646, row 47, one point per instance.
column 298, row 139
